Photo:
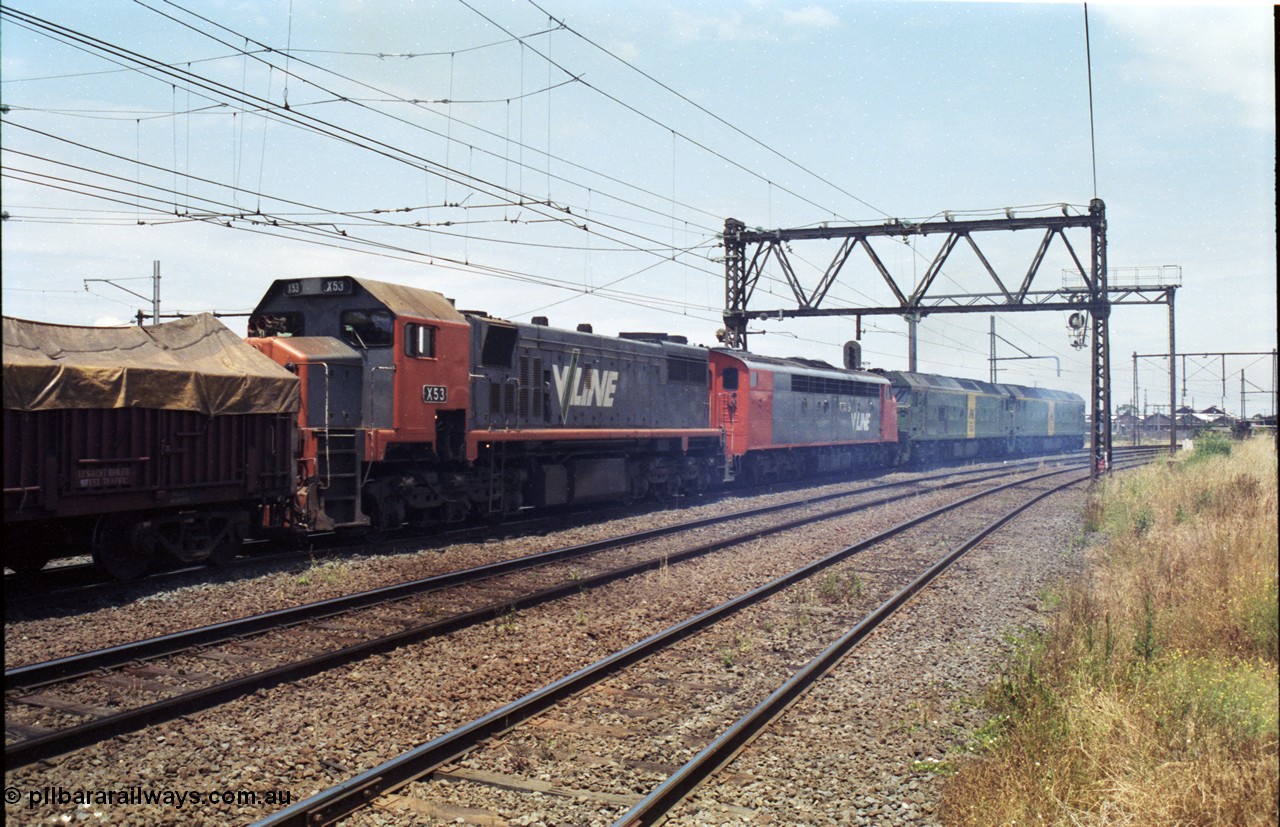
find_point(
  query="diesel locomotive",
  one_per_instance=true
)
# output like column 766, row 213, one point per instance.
column 414, row 412
column 401, row 409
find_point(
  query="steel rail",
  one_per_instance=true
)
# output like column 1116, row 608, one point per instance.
column 21, row 753
column 345, row 798
column 655, row 807
column 78, row 582
column 34, row 675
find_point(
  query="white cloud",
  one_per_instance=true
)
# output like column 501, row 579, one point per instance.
column 1191, row 53
column 723, row 27
column 811, row 16
column 760, row 22
column 627, row 50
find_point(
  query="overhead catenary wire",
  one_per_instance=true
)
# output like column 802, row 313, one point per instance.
column 307, row 122
column 261, row 51
column 507, row 139
column 340, row 98
column 656, row 121
column 662, row 249
column 823, row 179
column 230, row 211
column 259, row 222
column 598, row 211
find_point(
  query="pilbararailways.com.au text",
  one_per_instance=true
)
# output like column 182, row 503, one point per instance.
column 138, row 796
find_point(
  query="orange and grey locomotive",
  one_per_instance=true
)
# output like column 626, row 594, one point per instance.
column 417, row 413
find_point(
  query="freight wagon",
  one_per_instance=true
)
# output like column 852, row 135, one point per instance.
column 132, row 444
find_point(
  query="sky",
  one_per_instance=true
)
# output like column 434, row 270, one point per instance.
column 577, row 159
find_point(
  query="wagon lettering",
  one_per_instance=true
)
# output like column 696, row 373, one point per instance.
column 106, row 476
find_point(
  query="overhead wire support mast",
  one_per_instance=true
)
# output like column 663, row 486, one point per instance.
column 743, row 272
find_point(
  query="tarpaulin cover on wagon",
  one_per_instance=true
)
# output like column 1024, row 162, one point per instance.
column 193, row 364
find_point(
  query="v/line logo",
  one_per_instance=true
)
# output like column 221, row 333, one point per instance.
column 571, row 389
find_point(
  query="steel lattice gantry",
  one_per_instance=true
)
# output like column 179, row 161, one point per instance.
column 744, row 267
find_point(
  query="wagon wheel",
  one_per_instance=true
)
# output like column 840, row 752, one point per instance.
column 115, row 553
column 28, row 551
column 230, row 542
column 27, row 562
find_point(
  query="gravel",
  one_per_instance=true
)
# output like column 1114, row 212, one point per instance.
column 859, row 747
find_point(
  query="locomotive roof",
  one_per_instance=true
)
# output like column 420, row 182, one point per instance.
column 193, row 364
column 400, row 299
column 801, row 367
column 412, row 301
column 623, row 343
column 1044, row 393
column 933, row 380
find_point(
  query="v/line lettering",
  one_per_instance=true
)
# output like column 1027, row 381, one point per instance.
column 571, row 387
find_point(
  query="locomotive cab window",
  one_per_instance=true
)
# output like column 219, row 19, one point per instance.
column 265, row 325
column 730, row 379
column 366, row 328
column 420, row 341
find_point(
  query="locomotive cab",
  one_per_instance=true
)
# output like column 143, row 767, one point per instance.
column 384, row 377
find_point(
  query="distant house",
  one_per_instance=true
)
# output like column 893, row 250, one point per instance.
column 1124, row 423
column 1196, row 421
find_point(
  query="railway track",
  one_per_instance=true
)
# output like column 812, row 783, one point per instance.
column 56, row 588
column 691, row 720
column 101, row 694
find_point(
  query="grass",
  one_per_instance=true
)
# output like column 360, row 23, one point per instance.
column 837, row 588
column 329, row 573
column 1152, row 698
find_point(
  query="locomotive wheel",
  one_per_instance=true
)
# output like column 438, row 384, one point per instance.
column 114, row 552
column 637, row 482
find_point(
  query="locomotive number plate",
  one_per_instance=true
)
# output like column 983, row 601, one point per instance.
column 435, row 394
column 318, row 287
